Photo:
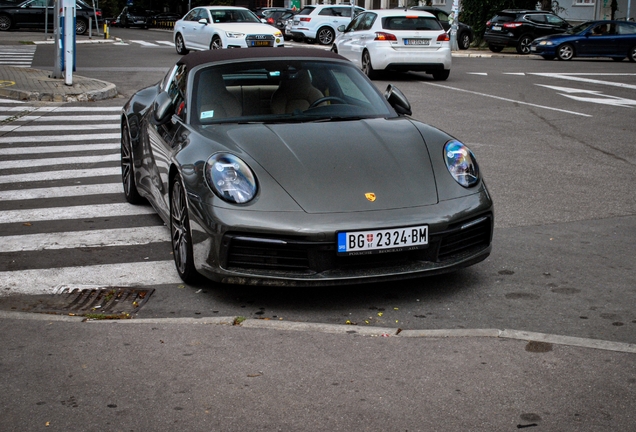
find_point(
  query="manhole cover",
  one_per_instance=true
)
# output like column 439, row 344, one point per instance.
column 113, row 302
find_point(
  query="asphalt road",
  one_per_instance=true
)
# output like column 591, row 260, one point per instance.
column 555, row 143
column 557, row 153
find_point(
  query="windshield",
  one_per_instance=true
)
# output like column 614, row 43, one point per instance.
column 579, row 28
column 233, row 16
column 284, row 91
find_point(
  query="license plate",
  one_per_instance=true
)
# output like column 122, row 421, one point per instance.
column 260, row 44
column 496, row 28
column 417, row 41
column 385, row 240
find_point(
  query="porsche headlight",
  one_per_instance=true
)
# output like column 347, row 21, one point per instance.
column 234, row 35
column 461, row 163
column 230, row 178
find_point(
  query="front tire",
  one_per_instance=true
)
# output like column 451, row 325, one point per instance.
column 81, row 27
column 179, row 44
column 180, row 233
column 5, row 23
column 631, row 55
column 325, row 36
column 523, row 46
column 367, row 68
column 216, row 43
column 463, row 41
column 128, row 168
column 565, row 52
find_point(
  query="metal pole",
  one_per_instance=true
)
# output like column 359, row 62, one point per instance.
column 57, row 68
column 453, row 35
column 69, row 33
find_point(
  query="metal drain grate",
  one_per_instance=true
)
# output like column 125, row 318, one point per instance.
column 110, row 302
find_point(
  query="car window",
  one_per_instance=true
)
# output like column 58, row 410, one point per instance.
column 192, row 15
column 37, row 3
column 243, row 92
column 233, row 16
column 355, row 23
column 306, row 10
column 203, row 14
column 625, row 29
column 554, row 20
column 536, row 18
column 410, row 23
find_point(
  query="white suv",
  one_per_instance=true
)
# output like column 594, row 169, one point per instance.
column 320, row 22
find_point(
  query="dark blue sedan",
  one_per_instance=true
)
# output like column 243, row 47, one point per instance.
column 615, row 39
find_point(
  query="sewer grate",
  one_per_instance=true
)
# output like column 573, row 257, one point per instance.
column 110, row 302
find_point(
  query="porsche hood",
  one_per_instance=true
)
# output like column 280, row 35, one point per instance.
column 344, row 166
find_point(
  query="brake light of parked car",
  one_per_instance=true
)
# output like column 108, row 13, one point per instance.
column 270, row 20
column 488, row 23
column 305, row 19
column 443, row 37
column 512, row 24
column 385, row 36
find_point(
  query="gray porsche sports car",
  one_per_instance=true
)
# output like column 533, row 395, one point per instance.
column 289, row 167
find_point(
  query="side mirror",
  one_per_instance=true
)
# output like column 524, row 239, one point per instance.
column 161, row 108
column 341, row 28
column 203, row 21
column 397, row 100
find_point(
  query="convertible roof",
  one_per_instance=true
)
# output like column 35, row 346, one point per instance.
column 222, row 55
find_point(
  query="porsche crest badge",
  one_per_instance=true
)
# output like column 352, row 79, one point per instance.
column 370, row 196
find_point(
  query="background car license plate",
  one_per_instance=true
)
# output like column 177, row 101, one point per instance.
column 375, row 241
column 496, row 28
column 260, row 43
column 417, row 41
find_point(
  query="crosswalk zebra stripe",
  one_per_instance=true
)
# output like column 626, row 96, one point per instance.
column 59, row 175
column 53, row 128
column 58, row 149
column 48, row 281
column 67, row 118
column 52, row 138
column 94, row 238
column 74, row 212
column 60, row 192
column 63, row 160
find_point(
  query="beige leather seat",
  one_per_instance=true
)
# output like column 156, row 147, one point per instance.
column 214, row 99
column 295, row 93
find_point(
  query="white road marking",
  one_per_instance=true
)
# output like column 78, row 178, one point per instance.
column 59, row 192
column 168, row 43
column 48, row 281
column 56, row 128
column 60, row 109
column 70, row 118
column 64, row 160
column 59, row 175
column 508, row 100
column 74, row 212
column 599, row 99
column 94, row 238
column 53, row 138
column 587, row 80
column 144, row 43
column 478, row 73
column 58, row 149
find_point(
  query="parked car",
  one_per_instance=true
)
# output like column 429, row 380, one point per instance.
column 270, row 15
column 214, row 27
column 615, row 39
column 242, row 154
column 465, row 33
column 519, row 27
column 283, row 21
column 134, row 16
column 32, row 14
column 396, row 39
column 320, row 22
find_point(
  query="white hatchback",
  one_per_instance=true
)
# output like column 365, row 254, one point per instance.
column 394, row 39
column 214, row 27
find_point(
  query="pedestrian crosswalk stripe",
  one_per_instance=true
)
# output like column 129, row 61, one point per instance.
column 93, row 238
column 63, row 160
column 71, row 118
column 74, row 212
column 52, row 138
column 57, row 109
column 47, row 281
column 15, row 150
column 18, row 55
column 59, row 175
column 53, row 128
column 59, row 192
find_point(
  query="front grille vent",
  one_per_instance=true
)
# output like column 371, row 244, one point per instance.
column 268, row 255
column 466, row 238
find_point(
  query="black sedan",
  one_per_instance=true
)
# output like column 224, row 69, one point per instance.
column 33, row 14
column 289, row 167
column 614, row 39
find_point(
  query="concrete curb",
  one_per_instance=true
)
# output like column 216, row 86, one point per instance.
column 348, row 329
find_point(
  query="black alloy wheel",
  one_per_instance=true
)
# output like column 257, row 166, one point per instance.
column 5, row 22
column 180, row 233
column 523, row 47
column 128, row 168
